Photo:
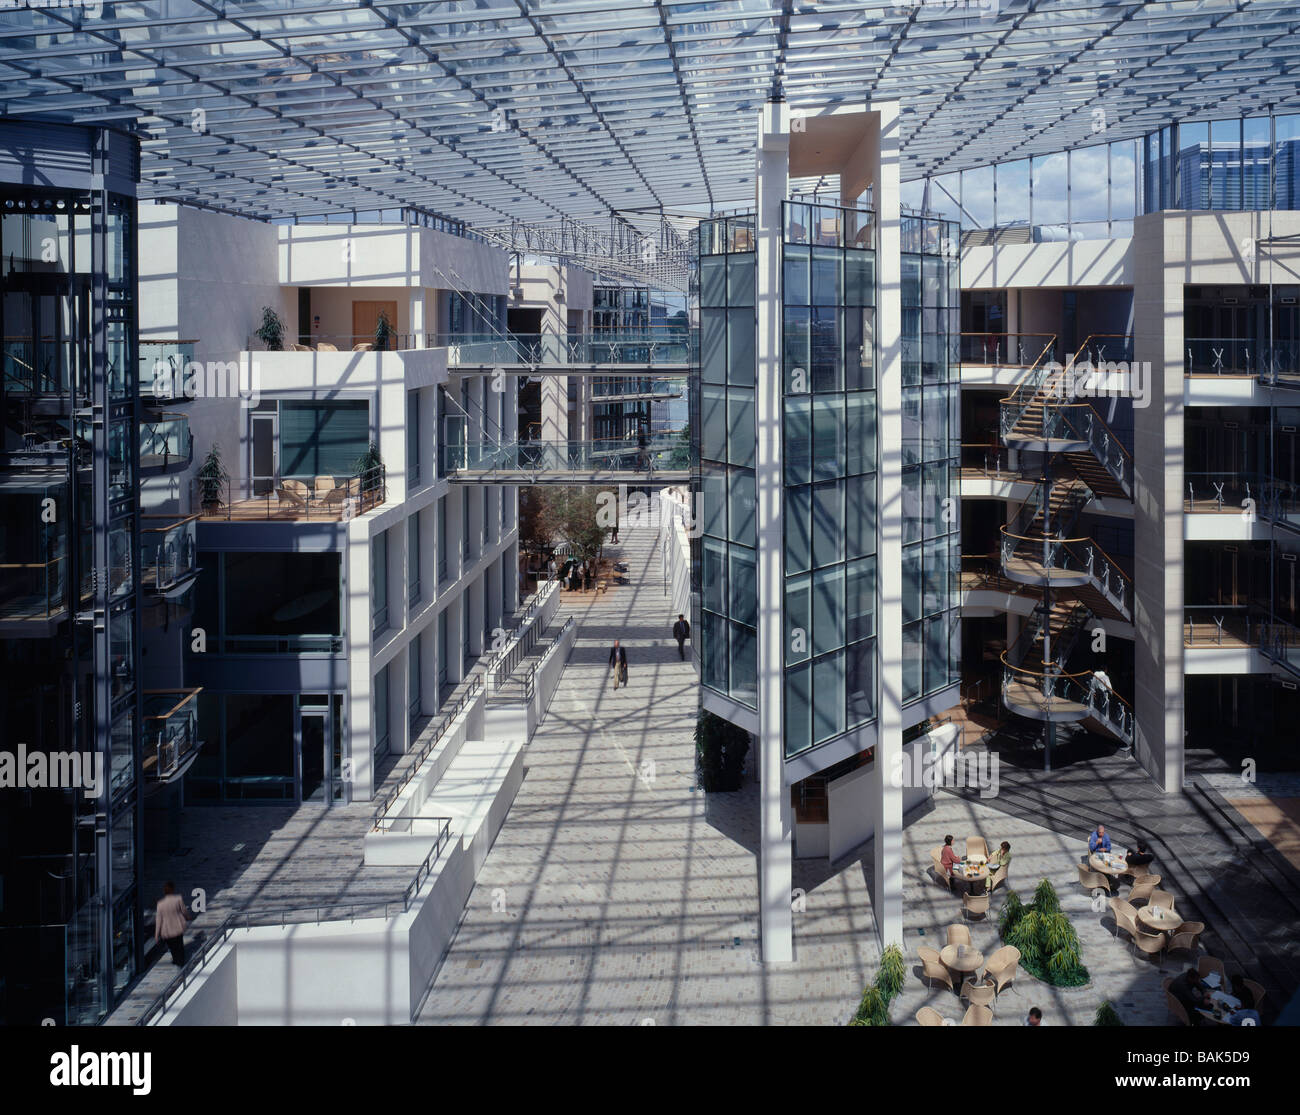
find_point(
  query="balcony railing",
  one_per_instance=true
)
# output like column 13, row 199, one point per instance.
column 652, row 346
column 1012, row 349
column 162, row 374
column 167, row 551
column 1242, row 356
column 165, row 442
column 289, row 499
column 1241, row 493
column 341, row 342
column 661, row 451
column 33, row 591
column 171, row 732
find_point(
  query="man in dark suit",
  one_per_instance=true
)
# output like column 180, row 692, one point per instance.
column 681, row 632
column 618, row 664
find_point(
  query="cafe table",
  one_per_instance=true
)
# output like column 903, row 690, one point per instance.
column 961, row 958
column 1159, row 919
column 971, row 871
column 1109, row 863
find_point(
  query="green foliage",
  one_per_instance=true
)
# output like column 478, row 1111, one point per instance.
column 271, row 331
column 680, row 457
column 1107, row 1015
column 1047, row 940
column 873, row 1010
column 383, row 331
column 369, row 467
column 720, row 750
column 1012, row 911
column 1045, row 899
column 573, row 514
column 212, row 476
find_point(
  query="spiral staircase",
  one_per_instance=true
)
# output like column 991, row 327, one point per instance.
column 1043, row 546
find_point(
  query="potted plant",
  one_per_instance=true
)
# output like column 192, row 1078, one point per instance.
column 271, row 331
column 383, row 330
column 369, row 469
column 212, row 480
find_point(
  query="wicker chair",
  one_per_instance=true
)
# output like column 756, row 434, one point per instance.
column 290, row 498
column 1125, row 917
column 1142, row 879
column 933, row 968
column 1210, row 964
column 322, row 486
column 1092, row 880
column 299, row 348
column 981, row 994
column 1175, row 1007
column 941, row 873
column 977, row 1015
column 1187, row 937
column 1257, row 993
column 1141, row 892
column 928, row 1016
column 1162, row 899
column 325, row 346
column 975, row 905
column 976, row 846
column 1003, row 967
column 997, row 878
column 364, row 346
column 958, row 935
column 1152, row 944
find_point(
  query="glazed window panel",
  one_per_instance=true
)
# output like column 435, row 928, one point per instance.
column 798, row 619
column 828, row 696
column 713, row 346
column 740, row 347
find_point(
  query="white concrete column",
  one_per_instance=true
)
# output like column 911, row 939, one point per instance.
column 555, row 408
column 416, row 316
column 887, row 871
column 776, row 826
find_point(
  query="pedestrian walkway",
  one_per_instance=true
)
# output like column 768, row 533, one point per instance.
column 615, row 894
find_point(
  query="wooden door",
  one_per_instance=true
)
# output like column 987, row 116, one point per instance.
column 365, row 316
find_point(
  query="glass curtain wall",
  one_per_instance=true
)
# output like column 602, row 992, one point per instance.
column 931, row 433
column 729, row 565
column 828, row 293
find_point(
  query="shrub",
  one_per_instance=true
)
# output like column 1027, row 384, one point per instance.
column 271, row 331
column 873, row 1009
column 720, row 750
column 1107, row 1015
column 1048, row 943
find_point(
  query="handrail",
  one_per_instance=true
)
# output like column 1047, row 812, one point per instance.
column 1024, row 381
column 251, row 917
column 381, row 811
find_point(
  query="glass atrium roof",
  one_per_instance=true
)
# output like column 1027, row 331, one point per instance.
column 536, row 110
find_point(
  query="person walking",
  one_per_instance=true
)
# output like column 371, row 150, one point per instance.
column 681, row 632
column 550, row 570
column 618, row 664
column 170, row 921
column 613, row 537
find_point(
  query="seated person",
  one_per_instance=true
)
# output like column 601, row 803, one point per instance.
column 1138, row 856
column 948, row 857
column 1001, row 857
column 1192, row 993
column 1099, row 841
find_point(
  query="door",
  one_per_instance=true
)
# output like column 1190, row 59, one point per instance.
column 315, row 754
column 365, row 316
column 264, row 464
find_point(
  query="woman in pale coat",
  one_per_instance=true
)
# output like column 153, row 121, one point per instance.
column 170, row 921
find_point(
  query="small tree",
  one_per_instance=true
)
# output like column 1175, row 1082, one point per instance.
column 720, row 750
column 383, row 331
column 212, row 476
column 680, row 458
column 271, row 331
column 573, row 515
column 1107, row 1015
column 1049, row 946
column 369, row 468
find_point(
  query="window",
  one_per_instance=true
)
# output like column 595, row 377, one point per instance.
column 323, row 438
column 413, row 437
column 442, row 541
column 383, row 740
column 379, row 583
column 413, row 682
column 413, row 558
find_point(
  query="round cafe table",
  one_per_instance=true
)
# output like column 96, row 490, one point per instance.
column 1159, row 919
column 1108, row 863
column 965, row 963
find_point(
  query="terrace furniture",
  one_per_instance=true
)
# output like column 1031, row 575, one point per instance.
column 941, row 873
column 975, row 905
column 977, row 1015
column 958, row 935
column 1146, row 880
column 928, row 1016
column 1125, row 917
column 1110, row 864
column 1175, row 1007
column 1092, row 880
column 999, row 876
column 1152, row 944
column 1257, row 993
column 288, row 497
column 1163, row 899
column 1003, row 967
column 975, row 846
column 322, row 485
column 964, row 961
column 1141, row 892
column 932, row 967
column 1188, row 936
column 1159, row 918
column 300, row 348
column 325, row 346
column 979, row 992
column 1210, row 964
